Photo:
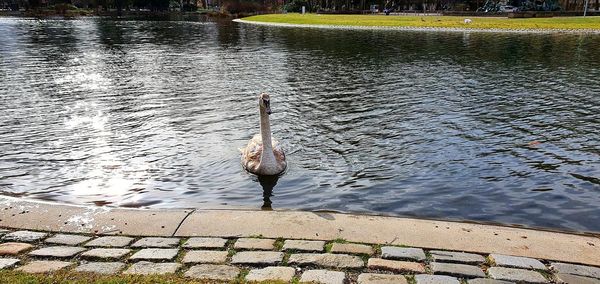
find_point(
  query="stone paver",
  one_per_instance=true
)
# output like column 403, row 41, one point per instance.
column 516, row 261
column 372, row 278
column 395, row 265
column 459, row 270
column 155, row 254
column 271, row 273
column 205, row 243
column 24, row 236
column 327, row 260
column 575, row 279
column 113, row 241
column 213, row 272
column 299, row 245
column 513, row 274
column 14, row 248
column 351, row 248
column 402, row 253
column 156, row 243
column 8, row 262
column 457, row 257
column 581, row 270
column 323, row 277
column 487, row 281
column 69, row 240
column 435, row 279
column 257, row 257
column 58, row 251
column 146, row 268
column 106, row 253
column 205, row 256
column 106, row 268
column 447, row 266
column 254, row 244
column 44, row 266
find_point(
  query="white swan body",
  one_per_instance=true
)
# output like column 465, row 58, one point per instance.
column 264, row 158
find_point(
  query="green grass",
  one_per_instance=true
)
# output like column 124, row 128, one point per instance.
column 411, row 279
column 279, row 244
column 546, row 274
column 231, row 252
column 15, row 277
column 564, row 23
column 340, row 241
column 64, row 277
column 328, row 247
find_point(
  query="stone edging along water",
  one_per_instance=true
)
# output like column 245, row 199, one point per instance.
column 422, row 29
column 17, row 213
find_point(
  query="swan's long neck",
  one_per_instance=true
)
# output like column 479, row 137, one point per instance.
column 267, row 159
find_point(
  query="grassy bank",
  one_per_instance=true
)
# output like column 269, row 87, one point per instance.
column 63, row 277
column 563, row 23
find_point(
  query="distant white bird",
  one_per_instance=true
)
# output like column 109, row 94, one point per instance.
column 468, row 21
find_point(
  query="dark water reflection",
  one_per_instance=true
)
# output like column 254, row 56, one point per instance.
column 141, row 113
column 268, row 184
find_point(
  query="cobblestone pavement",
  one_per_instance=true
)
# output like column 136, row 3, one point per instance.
column 259, row 259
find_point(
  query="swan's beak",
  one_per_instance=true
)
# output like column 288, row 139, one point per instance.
column 268, row 106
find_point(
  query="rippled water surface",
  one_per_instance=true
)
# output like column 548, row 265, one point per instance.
column 476, row 126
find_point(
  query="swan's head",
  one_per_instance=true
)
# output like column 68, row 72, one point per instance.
column 265, row 102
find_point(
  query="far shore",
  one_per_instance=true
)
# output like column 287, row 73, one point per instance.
column 431, row 23
column 141, row 14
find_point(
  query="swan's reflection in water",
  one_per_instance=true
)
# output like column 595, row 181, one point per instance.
column 267, row 183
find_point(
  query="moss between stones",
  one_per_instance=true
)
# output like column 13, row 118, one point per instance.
column 328, row 247
column 411, row 279
column 278, row 244
column 547, row 274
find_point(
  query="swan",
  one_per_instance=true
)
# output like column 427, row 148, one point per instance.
column 263, row 155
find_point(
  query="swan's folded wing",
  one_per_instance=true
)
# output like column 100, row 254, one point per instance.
column 279, row 155
column 278, row 151
column 252, row 151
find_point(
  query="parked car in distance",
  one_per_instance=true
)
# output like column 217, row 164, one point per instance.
column 508, row 9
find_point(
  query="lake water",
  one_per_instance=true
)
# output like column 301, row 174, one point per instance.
column 463, row 126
